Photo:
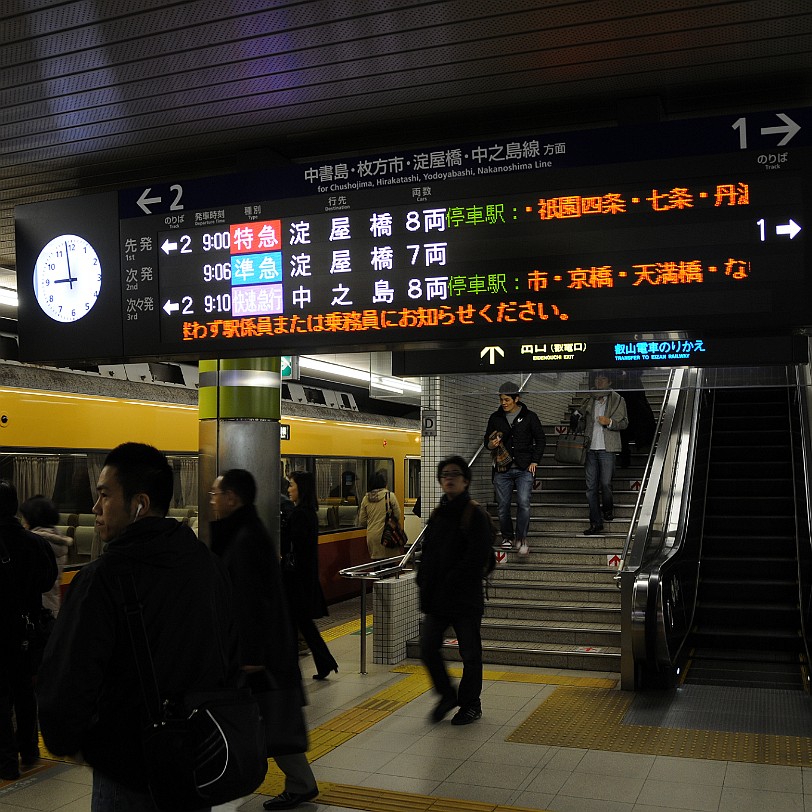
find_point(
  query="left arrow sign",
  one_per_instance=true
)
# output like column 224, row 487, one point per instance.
column 169, row 246
column 144, row 201
column 170, row 307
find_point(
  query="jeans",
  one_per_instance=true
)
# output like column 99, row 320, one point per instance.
column 469, row 639
column 110, row 796
column 599, row 470
column 503, row 484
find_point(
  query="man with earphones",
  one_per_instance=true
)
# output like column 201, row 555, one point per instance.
column 90, row 698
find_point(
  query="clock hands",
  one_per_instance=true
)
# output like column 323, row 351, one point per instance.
column 71, row 279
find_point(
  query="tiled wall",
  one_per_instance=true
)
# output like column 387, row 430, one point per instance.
column 395, row 616
column 463, row 404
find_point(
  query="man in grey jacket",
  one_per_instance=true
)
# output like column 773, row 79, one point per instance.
column 604, row 416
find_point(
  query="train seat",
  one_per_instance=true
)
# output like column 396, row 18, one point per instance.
column 182, row 514
column 65, row 529
column 85, row 519
column 347, row 515
column 86, row 545
column 71, row 519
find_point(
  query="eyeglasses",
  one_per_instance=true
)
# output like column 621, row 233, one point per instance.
column 216, row 493
column 451, row 474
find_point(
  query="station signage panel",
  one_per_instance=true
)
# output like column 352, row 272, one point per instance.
column 561, row 353
column 539, row 237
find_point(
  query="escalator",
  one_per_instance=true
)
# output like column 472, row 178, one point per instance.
column 746, row 628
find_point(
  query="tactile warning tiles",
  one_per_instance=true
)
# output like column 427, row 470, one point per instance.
column 350, row 627
column 593, row 719
column 373, row 799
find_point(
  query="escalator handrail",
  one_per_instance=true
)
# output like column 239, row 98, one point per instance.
column 803, row 381
column 674, row 380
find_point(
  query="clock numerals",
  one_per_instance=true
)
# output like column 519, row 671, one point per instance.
column 67, row 278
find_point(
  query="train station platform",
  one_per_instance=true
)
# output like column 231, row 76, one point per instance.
column 547, row 740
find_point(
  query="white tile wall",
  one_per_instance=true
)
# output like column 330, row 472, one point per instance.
column 465, row 402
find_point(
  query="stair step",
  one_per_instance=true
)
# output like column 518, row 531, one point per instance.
column 546, row 655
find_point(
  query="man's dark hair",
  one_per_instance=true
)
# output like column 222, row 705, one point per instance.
column 377, row 481
column 8, row 499
column 306, row 485
column 241, row 483
column 454, row 460
column 141, row 468
column 39, row 512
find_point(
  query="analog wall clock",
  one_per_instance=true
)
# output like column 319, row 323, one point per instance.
column 67, row 278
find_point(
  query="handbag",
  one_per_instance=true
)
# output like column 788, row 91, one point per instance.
column 394, row 536
column 203, row 749
column 571, row 448
column 281, row 710
column 502, row 459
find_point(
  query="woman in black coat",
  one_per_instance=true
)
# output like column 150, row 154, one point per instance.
column 300, row 569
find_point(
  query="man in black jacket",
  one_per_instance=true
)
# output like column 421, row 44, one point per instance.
column 269, row 651
column 27, row 569
column 455, row 552
column 519, row 431
column 91, row 703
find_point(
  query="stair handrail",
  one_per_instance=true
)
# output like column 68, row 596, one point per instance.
column 395, row 566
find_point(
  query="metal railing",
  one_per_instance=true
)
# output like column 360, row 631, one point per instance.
column 393, row 567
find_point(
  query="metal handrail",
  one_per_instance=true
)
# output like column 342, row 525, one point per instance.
column 393, row 567
column 674, row 382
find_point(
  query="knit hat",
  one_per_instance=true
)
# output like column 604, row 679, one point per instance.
column 512, row 390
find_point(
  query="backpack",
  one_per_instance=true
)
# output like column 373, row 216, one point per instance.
column 465, row 523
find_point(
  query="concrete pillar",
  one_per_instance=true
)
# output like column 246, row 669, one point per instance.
column 239, row 408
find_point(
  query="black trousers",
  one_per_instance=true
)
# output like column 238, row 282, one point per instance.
column 469, row 639
column 322, row 657
column 17, row 698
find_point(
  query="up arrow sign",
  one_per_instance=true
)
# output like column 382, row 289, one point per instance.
column 491, row 353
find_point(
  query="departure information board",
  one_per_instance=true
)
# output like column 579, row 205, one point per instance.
column 464, row 244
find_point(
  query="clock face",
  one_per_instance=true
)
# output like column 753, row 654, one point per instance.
column 67, row 278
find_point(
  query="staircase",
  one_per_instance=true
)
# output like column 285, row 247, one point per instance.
column 747, row 621
column 559, row 606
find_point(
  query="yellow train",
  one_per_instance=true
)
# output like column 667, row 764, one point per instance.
column 54, row 442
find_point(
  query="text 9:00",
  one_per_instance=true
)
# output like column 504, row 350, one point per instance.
column 220, row 241
column 219, row 272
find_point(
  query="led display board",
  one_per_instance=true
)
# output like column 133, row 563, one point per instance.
column 617, row 231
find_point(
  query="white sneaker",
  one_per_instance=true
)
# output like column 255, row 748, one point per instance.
column 524, row 549
column 507, row 544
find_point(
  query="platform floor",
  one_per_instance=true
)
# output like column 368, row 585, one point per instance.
column 548, row 740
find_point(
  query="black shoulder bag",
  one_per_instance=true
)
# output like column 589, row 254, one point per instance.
column 206, row 748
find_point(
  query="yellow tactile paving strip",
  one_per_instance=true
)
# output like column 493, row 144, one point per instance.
column 592, row 719
column 582, row 712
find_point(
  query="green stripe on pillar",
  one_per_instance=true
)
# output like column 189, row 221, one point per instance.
column 240, row 388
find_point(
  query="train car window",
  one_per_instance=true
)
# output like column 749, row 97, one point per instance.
column 385, row 466
column 412, row 477
column 315, row 396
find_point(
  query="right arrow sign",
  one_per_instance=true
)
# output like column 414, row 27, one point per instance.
column 791, row 228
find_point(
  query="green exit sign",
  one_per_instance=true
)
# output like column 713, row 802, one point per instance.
column 290, row 367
